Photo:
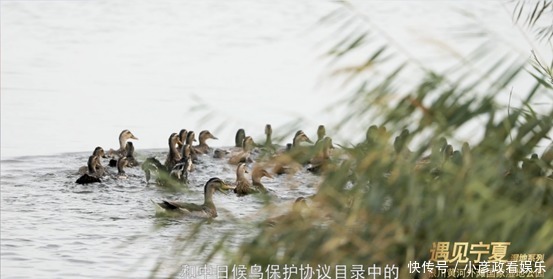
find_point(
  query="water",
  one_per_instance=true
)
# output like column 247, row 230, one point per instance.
column 76, row 73
column 55, row 228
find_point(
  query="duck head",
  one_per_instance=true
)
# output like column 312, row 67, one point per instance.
column 300, row 137
column 205, row 135
column 182, row 135
column 174, row 140
column 248, row 144
column 98, row 151
column 124, row 136
column 190, row 138
column 241, row 170
column 93, row 161
column 215, row 184
column 259, row 172
column 321, row 132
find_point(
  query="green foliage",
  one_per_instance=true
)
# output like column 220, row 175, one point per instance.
column 387, row 206
column 384, row 206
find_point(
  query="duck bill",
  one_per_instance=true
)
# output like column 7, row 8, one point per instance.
column 225, row 187
column 133, row 137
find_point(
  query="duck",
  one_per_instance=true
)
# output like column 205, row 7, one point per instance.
column 243, row 155
column 176, row 167
column 151, row 164
column 319, row 162
column 173, row 157
column 220, row 153
column 321, row 133
column 98, row 151
column 181, row 170
column 93, row 174
column 131, row 160
column 243, row 186
column 259, row 172
column 124, row 136
column 290, row 161
column 297, row 207
column 268, row 148
column 239, row 138
column 300, row 137
column 190, row 139
column 203, row 148
column 205, row 210
column 121, row 164
column 268, row 136
column 182, row 137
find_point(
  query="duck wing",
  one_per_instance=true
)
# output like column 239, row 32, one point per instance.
column 183, row 206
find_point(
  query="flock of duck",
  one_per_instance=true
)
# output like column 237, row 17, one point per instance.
column 183, row 155
column 301, row 154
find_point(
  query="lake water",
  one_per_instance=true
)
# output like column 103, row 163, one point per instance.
column 55, row 228
column 76, row 73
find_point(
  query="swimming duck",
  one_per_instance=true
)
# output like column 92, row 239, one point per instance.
column 131, row 161
column 182, row 137
column 220, row 153
column 320, row 161
column 297, row 208
column 166, row 174
column 321, row 133
column 243, row 155
column 124, row 136
column 173, row 156
column 259, row 172
column 181, row 170
column 98, row 151
column 93, row 174
column 268, row 135
column 190, row 139
column 243, row 186
column 203, row 148
column 121, row 164
column 300, row 137
column 239, row 138
column 150, row 165
column 291, row 160
column 205, row 210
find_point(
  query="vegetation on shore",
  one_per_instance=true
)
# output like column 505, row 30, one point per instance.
column 387, row 204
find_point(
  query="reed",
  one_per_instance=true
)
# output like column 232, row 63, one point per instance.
column 388, row 206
